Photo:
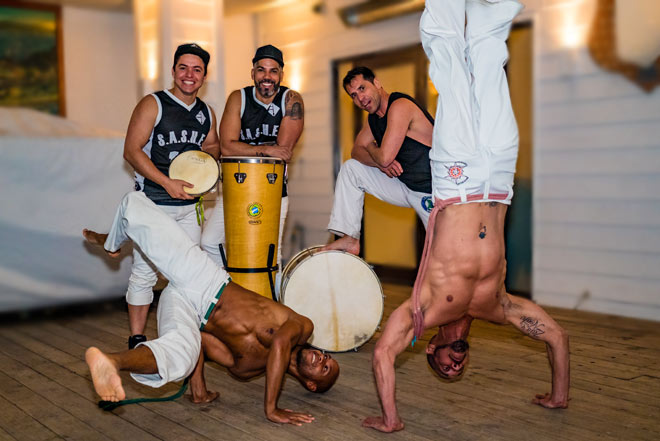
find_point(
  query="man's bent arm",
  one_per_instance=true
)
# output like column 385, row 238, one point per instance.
column 137, row 135
column 362, row 140
column 397, row 335
column 533, row 321
column 291, row 127
column 294, row 331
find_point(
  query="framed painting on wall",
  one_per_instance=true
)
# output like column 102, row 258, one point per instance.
column 31, row 71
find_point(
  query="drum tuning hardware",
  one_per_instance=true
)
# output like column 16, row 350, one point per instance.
column 240, row 177
column 272, row 177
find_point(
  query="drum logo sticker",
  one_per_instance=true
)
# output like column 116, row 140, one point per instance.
column 254, row 211
column 455, row 172
column 427, row 203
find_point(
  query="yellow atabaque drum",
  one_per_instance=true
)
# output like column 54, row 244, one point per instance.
column 252, row 197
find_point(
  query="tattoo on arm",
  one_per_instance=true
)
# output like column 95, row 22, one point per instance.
column 294, row 105
column 482, row 231
column 531, row 326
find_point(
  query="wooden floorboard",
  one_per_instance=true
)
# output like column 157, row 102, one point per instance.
column 46, row 391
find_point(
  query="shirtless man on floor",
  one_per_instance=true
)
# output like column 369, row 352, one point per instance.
column 243, row 331
column 473, row 157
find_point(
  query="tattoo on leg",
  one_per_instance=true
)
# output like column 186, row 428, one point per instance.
column 492, row 204
column 482, row 231
column 531, row 326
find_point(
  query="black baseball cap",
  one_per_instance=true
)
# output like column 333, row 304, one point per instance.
column 269, row 51
column 194, row 49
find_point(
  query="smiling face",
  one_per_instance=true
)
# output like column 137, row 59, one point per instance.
column 188, row 74
column 267, row 75
column 317, row 367
column 364, row 93
column 448, row 360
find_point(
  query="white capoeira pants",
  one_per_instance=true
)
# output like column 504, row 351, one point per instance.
column 213, row 234
column 144, row 274
column 354, row 180
column 195, row 284
column 475, row 136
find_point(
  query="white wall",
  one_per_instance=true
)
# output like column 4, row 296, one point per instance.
column 596, row 153
column 597, row 176
column 240, row 43
column 100, row 70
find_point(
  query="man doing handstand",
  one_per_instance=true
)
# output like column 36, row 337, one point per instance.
column 475, row 146
column 247, row 333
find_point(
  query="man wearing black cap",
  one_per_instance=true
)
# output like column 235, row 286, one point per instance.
column 164, row 124
column 261, row 120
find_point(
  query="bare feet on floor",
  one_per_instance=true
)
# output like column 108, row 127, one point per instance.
column 346, row 243
column 98, row 239
column 105, row 375
column 203, row 398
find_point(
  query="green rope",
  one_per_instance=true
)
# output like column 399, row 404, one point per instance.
column 199, row 209
column 112, row 405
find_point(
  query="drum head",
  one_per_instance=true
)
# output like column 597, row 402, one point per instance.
column 197, row 167
column 342, row 296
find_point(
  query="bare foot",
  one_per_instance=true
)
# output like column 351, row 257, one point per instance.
column 98, row 239
column 204, row 398
column 105, row 376
column 346, row 243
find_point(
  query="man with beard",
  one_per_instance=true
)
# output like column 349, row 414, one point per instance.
column 261, row 120
column 243, row 331
column 389, row 160
column 475, row 146
column 164, row 124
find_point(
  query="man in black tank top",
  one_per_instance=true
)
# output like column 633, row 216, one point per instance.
column 163, row 125
column 261, row 120
column 390, row 158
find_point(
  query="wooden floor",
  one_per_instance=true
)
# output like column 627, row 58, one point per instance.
column 46, row 391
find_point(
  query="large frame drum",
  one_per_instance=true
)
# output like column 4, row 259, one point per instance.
column 252, row 199
column 338, row 292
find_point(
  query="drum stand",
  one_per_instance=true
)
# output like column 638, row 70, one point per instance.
column 270, row 268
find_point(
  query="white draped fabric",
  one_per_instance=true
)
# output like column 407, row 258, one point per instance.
column 57, row 177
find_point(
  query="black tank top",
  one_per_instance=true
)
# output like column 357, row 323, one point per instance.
column 178, row 128
column 413, row 155
column 260, row 122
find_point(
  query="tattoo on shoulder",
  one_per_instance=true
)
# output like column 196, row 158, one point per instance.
column 531, row 326
column 294, row 105
column 482, row 231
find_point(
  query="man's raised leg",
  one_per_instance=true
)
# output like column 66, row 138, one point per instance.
column 354, row 180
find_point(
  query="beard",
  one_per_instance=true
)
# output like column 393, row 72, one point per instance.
column 299, row 355
column 265, row 92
